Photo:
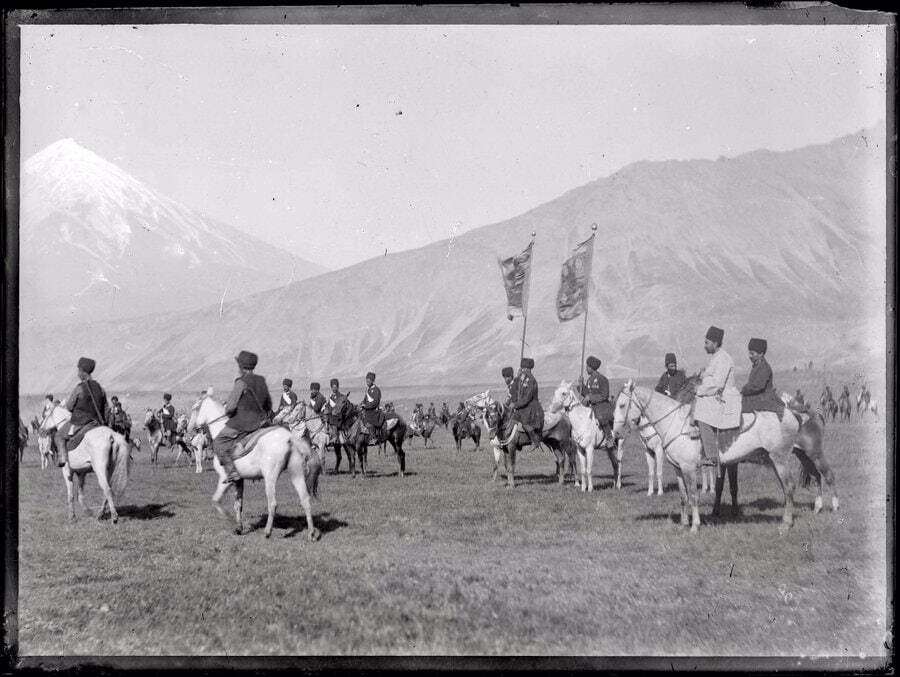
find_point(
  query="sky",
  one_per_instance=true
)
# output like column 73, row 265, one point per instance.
column 340, row 142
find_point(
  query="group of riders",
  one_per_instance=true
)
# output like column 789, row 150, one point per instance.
column 716, row 406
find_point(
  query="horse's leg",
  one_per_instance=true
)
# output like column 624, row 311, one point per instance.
column 619, row 446
column 101, row 470
column 786, row 482
column 271, row 503
column 651, row 467
column 337, row 459
column 690, row 483
column 682, row 490
column 363, row 451
column 238, row 507
column 498, row 452
column 70, row 492
column 660, row 463
column 198, row 461
column 78, row 481
column 732, row 471
column 579, row 476
column 297, row 472
column 589, row 468
column 401, row 455
column 720, row 486
column 511, row 449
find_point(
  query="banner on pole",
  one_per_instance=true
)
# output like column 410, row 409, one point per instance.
column 516, row 271
column 575, row 277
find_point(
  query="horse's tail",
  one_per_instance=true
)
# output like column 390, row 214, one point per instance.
column 312, row 464
column 119, row 465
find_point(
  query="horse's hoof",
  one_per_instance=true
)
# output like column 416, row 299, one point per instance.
column 72, row 518
column 835, row 504
column 237, row 531
column 694, row 528
column 114, row 519
column 314, row 535
column 268, row 534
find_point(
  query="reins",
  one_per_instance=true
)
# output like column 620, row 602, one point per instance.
column 632, row 397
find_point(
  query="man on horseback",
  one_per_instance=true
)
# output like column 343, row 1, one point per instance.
column 288, row 397
column 166, row 415
column 512, row 385
column 88, row 406
column 759, row 392
column 249, row 407
column 595, row 394
column 332, row 407
column 317, row 401
column 672, row 380
column 717, row 407
column 118, row 419
column 373, row 417
column 432, row 413
column 527, row 409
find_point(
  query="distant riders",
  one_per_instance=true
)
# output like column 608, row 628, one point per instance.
column 118, row 420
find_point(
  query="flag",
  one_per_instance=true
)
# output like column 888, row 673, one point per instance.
column 574, row 280
column 516, row 271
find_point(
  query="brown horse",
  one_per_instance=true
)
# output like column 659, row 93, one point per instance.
column 354, row 436
column 463, row 427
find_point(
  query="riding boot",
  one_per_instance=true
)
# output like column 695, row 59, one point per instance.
column 62, row 456
column 231, row 473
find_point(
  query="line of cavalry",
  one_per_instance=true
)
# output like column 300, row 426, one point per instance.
column 295, row 438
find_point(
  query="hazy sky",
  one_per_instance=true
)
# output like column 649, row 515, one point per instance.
column 337, row 142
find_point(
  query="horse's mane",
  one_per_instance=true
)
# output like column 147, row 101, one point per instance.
column 689, row 390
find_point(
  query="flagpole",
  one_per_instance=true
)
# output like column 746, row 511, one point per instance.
column 525, row 303
column 587, row 306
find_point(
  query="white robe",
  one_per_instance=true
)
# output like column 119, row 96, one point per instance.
column 715, row 409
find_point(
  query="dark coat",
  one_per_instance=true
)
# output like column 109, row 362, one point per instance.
column 670, row 386
column 83, row 407
column 317, row 403
column 369, row 406
column 527, row 407
column 759, row 393
column 287, row 400
column 167, row 416
column 596, row 390
column 249, row 405
column 512, row 391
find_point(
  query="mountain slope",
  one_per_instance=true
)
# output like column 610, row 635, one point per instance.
column 787, row 246
column 96, row 243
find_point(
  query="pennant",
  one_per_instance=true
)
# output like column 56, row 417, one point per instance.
column 516, row 271
column 574, row 280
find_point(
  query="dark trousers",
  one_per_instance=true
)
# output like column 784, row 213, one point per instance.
column 224, row 443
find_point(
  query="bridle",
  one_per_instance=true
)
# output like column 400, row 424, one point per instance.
column 632, row 398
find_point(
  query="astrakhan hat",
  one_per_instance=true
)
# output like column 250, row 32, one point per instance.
column 715, row 334
column 507, row 372
column 527, row 362
column 86, row 364
column 593, row 362
column 670, row 359
column 757, row 345
column 247, row 360
column 287, row 382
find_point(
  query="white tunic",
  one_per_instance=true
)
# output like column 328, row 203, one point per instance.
column 718, row 401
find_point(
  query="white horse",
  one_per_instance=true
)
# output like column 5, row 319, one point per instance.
column 103, row 452
column 200, row 446
column 312, row 427
column 764, row 437
column 276, row 450
column 587, row 435
column 653, row 453
column 45, row 447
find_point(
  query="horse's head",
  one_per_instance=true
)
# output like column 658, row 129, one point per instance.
column 626, row 410
column 564, row 397
column 204, row 411
column 344, row 412
column 56, row 417
column 149, row 416
column 389, row 407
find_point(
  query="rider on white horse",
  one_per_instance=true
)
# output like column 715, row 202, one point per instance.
column 717, row 408
column 249, row 408
column 288, row 397
column 595, row 394
column 88, row 406
column 759, row 392
column 672, row 380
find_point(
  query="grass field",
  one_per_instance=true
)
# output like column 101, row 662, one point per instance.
column 444, row 562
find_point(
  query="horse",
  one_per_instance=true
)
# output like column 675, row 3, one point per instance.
column 102, row 451
column 23, row 439
column 352, row 433
column 444, row 418
column 277, row 450
column 158, row 437
column 865, row 402
column 463, row 427
column 183, row 446
column 844, row 408
column 422, row 426
column 45, row 443
column 763, row 438
column 831, row 409
column 313, row 427
column 202, row 449
column 587, row 435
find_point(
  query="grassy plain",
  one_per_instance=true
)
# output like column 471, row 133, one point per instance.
column 444, row 562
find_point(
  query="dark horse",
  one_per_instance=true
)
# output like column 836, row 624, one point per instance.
column 558, row 437
column 354, row 436
column 463, row 427
column 158, row 437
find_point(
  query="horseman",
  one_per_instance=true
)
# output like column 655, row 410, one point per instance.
column 826, row 396
column 317, row 401
column 432, row 413
column 332, row 407
column 249, row 407
column 88, row 406
column 672, row 380
column 373, row 417
column 118, row 419
column 445, row 410
column 167, row 417
column 288, row 397
column 512, row 385
column 799, row 400
column 717, row 406
column 759, row 392
column 595, row 394
column 527, row 408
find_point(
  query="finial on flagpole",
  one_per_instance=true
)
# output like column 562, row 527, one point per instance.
column 533, row 234
column 594, row 227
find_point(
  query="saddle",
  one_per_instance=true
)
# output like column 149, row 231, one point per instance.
column 75, row 438
column 245, row 445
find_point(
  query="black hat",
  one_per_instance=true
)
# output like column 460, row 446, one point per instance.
column 527, row 363
column 757, row 345
column 114, row 399
column 507, row 372
column 593, row 362
column 334, row 382
column 287, row 382
column 167, row 396
column 670, row 359
column 314, row 386
column 715, row 334
column 86, row 364
column 247, row 360
column 370, row 375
